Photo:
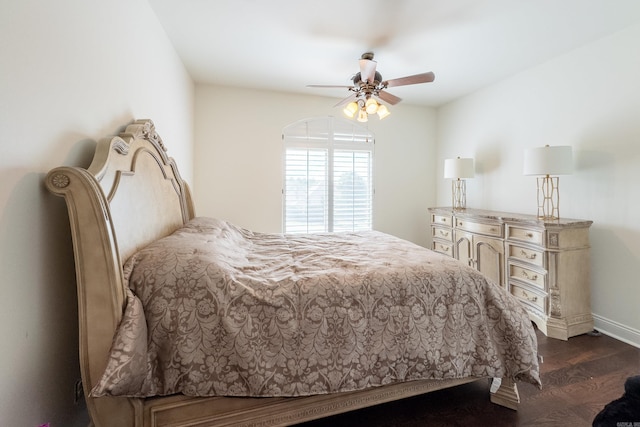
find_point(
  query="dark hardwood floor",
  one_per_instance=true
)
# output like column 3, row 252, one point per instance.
column 579, row 377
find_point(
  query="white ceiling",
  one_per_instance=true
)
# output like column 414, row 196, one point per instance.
column 284, row 45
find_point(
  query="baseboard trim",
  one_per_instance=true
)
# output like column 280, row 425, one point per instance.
column 617, row 330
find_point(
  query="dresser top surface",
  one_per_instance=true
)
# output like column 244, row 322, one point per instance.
column 510, row 217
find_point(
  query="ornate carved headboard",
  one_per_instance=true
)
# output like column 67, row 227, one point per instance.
column 131, row 195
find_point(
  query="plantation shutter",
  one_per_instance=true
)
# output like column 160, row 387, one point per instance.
column 306, row 191
column 352, row 198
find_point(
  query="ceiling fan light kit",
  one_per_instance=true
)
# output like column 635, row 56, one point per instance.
column 371, row 106
column 368, row 90
column 362, row 116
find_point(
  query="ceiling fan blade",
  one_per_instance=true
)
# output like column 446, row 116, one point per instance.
column 389, row 98
column 346, row 100
column 330, row 86
column 367, row 70
column 411, row 80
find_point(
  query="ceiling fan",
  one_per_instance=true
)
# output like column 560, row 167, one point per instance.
column 368, row 88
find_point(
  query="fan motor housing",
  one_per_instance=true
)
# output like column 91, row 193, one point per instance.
column 377, row 78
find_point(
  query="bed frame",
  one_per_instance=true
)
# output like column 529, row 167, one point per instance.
column 131, row 195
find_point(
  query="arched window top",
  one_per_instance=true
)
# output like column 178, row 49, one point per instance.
column 327, row 130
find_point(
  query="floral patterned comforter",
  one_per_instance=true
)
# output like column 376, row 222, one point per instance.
column 215, row 309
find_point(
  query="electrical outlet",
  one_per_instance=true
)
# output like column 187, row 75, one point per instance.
column 78, row 392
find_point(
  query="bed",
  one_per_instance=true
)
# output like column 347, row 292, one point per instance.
column 131, row 215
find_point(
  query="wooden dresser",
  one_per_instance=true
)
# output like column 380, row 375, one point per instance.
column 545, row 264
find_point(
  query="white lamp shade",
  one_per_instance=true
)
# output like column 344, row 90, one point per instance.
column 383, row 111
column 350, row 109
column 458, row 168
column 548, row 160
column 371, row 106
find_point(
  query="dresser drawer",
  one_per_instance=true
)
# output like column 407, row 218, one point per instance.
column 531, row 256
column 479, row 227
column 528, row 296
column 441, row 220
column 442, row 233
column 443, row 248
column 530, row 276
column 522, row 234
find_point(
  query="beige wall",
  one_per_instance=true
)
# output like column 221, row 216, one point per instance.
column 71, row 72
column 238, row 161
column 589, row 99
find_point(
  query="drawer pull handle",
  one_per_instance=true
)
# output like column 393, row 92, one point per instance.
column 529, row 235
column 527, row 256
column 492, row 229
column 443, row 219
column 460, row 223
column 526, row 296
column 526, row 276
column 444, row 233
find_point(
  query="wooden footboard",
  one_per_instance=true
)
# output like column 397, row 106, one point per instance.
column 175, row 411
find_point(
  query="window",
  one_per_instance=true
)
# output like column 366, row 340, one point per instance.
column 328, row 179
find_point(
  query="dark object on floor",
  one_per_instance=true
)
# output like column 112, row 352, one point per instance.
column 624, row 411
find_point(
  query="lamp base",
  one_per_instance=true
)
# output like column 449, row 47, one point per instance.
column 459, row 194
column 548, row 198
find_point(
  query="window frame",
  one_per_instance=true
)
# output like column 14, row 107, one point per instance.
column 329, row 134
